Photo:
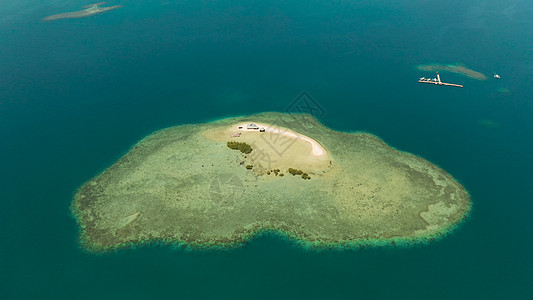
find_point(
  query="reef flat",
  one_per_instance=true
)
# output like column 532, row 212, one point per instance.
column 91, row 9
column 458, row 69
column 200, row 186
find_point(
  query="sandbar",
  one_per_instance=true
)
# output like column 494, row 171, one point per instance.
column 91, row 9
column 184, row 186
column 457, row 69
column 316, row 148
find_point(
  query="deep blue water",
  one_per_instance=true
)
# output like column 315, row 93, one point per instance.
column 76, row 94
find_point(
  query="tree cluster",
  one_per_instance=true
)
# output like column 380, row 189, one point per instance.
column 243, row 147
column 275, row 171
column 298, row 172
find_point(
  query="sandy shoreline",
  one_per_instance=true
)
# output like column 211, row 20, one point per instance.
column 275, row 147
column 316, row 148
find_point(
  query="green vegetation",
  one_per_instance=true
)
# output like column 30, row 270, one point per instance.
column 276, row 172
column 243, row 147
column 295, row 172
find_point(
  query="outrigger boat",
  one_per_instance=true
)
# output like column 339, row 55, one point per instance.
column 437, row 81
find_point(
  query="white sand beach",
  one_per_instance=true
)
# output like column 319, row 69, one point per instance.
column 316, row 148
column 275, row 147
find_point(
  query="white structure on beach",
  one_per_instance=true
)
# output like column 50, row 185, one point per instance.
column 252, row 126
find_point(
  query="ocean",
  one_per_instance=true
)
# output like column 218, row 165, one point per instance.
column 76, row 94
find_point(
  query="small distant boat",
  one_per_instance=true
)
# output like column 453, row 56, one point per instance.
column 497, row 76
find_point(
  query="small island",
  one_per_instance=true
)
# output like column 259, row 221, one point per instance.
column 218, row 184
column 457, row 69
column 91, row 9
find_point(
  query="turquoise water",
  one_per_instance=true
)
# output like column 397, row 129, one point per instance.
column 76, row 94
